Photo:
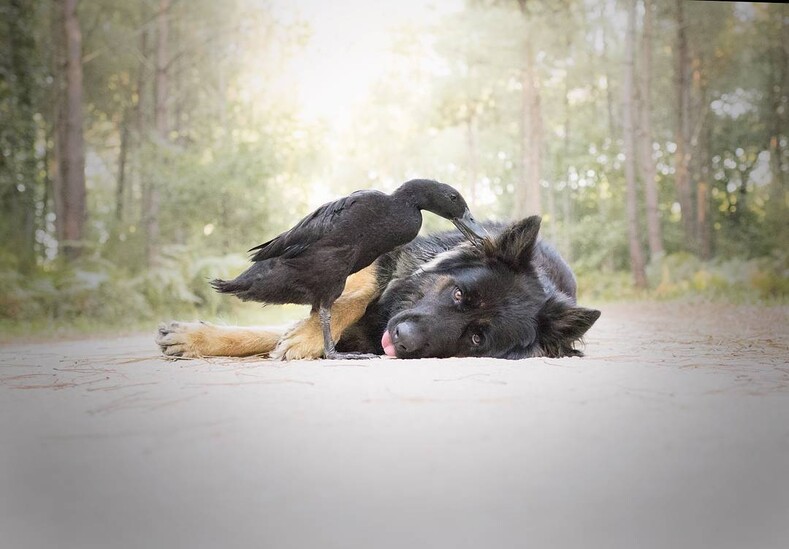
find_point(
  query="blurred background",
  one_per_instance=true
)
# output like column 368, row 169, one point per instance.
column 146, row 144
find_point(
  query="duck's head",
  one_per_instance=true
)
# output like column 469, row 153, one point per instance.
column 446, row 201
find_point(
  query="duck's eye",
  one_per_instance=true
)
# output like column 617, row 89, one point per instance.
column 457, row 295
column 476, row 340
column 453, row 197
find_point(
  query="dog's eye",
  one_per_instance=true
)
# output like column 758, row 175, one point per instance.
column 476, row 339
column 457, row 295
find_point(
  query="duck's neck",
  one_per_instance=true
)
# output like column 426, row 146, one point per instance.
column 414, row 192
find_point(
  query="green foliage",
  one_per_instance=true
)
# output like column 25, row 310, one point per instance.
column 683, row 275
column 596, row 286
column 599, row 245
column 759, row 279
column 98, row 289
column 89, row 287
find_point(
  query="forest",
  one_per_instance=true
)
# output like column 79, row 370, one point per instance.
column 146, row 144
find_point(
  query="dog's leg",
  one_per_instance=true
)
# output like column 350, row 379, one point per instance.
column 305, row 339
column 200, row 339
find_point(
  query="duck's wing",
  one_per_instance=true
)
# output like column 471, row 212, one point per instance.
column 309, row 230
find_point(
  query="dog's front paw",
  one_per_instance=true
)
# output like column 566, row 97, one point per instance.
column 303, row 342
column 178, row 339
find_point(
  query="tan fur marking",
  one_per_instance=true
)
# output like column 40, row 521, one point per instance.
column 302, row 341
column 211, row 340
column 305, row 339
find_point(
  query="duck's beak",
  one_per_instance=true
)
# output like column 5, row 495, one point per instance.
column 472, row 230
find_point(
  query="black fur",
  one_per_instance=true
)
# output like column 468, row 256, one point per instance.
column 517, row 299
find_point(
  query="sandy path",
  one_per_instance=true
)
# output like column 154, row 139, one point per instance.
column 673, row 432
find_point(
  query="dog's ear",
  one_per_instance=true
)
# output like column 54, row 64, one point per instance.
column 560, row 324
column 515, row 245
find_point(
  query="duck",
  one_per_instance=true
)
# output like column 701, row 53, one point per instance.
column 309, row 263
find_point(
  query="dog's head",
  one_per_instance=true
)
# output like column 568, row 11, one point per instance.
column 484, row 302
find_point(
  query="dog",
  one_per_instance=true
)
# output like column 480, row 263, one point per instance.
column 437, row 296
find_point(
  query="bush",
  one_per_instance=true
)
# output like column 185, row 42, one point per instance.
column 96, row 289
column 765, row 278
column 683, row 274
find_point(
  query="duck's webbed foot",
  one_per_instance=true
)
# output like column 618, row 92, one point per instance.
column 329, row 352
column 351, row 356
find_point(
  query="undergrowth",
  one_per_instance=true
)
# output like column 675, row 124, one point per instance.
column 94, row 296
column 763, row 280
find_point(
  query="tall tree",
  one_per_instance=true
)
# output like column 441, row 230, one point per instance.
column 161, row 118
column 682, row 127
column 527, row 195
column 645, row 160
column 628, row 123
column 606, row 61
column 567, row 197
column 778, row 84
column 703, row 218
column 19, row 178
column 70, row 199
column 123, row 153
column 141, row 118
column 700, row 143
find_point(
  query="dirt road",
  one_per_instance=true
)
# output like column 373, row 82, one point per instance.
column 672, row 432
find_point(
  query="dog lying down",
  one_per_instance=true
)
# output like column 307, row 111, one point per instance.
column 437, row 296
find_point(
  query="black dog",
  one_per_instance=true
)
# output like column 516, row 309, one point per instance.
column 437, row 296
column 442, row 297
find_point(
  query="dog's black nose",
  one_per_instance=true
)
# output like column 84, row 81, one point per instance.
column 407, row 337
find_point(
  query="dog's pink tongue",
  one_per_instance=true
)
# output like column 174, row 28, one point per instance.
column 386, row 343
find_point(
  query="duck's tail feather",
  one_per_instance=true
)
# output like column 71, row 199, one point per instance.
column 234, row 286
column 249, row 285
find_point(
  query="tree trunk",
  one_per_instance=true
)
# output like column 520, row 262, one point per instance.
column 646, row 163
column 70, row 183
column 609, row 98
column 567, row 205
column 779, row 72
column 152, row 198
column 534, row 200
column 703, row 218
column 120, row 188
column 701, row 142
column 553, row 227
column 527, row 195
column 140, row 175
column 682, row 129
column 19, row 177
column 636, row 254
column 162, row 59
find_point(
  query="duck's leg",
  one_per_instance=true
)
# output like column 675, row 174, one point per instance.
column 328, row 343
